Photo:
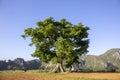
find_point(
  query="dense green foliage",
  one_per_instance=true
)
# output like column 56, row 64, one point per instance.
column 58, row 41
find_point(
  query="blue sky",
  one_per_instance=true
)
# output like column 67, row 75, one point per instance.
column 102, row 16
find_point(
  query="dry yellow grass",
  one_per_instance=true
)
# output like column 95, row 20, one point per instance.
column 106, row 76
column 58, row 76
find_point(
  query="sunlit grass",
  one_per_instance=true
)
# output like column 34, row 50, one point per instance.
column 41, row 74
column 45, row 75
column 11, row 72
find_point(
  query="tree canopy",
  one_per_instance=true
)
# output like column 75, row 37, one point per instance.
column 58, row 41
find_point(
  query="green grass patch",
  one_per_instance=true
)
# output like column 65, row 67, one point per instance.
column 11, row 72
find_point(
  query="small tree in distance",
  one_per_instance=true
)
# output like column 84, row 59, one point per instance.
column 58, row 41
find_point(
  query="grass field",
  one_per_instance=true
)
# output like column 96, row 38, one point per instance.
column 36, row 75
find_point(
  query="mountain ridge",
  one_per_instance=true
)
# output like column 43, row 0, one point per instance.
column 110, row 59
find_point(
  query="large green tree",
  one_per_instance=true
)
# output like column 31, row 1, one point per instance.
column 58, row 41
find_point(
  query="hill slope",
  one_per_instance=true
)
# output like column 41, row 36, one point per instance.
column 110, row 59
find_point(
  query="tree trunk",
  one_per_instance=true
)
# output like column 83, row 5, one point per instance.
column 59, row 68
column 70, row 69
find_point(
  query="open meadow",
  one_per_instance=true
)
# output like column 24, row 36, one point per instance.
column 36, row 75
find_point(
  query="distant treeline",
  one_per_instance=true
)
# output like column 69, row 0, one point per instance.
column 19, row 64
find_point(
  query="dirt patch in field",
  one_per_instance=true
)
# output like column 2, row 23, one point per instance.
column 60, row 76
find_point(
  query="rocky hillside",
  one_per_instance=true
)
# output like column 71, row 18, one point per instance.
column 110, row 60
